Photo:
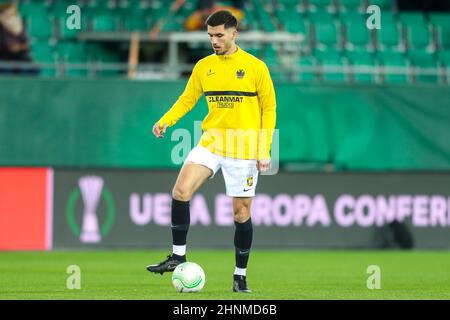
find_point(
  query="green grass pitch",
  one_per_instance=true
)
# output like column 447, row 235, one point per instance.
column 277, row 275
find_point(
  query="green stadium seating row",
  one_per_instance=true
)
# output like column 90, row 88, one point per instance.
column 306, row 5
column 77, row 53
column 335, row 32
column 332, row 5
column 365, row 66
column 409, row 30
column 46, row 19
column 73, row 51
column 47, row 53
column 154, row 9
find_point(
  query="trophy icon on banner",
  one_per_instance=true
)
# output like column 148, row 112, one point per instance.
column 91, row 191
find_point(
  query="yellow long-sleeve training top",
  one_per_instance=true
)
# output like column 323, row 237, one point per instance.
column 241, row 102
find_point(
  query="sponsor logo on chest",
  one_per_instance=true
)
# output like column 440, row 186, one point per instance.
column 225, row 101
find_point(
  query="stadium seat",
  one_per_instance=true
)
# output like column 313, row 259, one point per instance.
column 359, row 60
column 321, row 5
column 290, row 5
column 421, row 60
column 357, row 35
column 392, row 59
column 133, row 20
column 254, row 50
column 293, row 22
column 59, row 8
column 331, row 59
column 270, row 53
column 389, row 36
column 42, row 52
column 72, row 51
column 441, row 23
column 409, row 18
column 126, row 4
column 103, row 52
column 41, row 27
column 249, row 22
column 320, row 16
column 104, row 21
column 265, row 19
column 183, row 13
column 172, row 25
column 142, row 4
column 307, row 75
column 157, row 12
column 32, row 9
column 443, row 37
column 109, row 4
column 443, row 57
column 270, row 57
column 383, row 4
column 351, row 5
column 417, row 30
column 326, row 31
column 418, row 36
column 389, row 17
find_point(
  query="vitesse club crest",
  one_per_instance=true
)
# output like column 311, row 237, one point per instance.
column 249, row 181
column 240, row 74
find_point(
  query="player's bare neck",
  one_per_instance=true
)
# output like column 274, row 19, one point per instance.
column 232, row 50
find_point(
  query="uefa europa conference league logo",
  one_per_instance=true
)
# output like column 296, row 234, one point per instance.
column 92, row 190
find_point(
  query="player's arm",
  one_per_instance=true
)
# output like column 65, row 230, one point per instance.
column 183, row 105
column 267, row 102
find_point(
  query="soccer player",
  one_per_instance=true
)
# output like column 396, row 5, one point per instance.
column 241, row 102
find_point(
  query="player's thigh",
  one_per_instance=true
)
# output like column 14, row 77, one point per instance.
column 190, row 178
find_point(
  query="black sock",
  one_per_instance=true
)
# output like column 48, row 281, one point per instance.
column 179, row 258
column 238, row 277
column 243, row 236
column 181, row 219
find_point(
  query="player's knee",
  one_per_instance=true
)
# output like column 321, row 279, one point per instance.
column 181, row 193
column 241, row 212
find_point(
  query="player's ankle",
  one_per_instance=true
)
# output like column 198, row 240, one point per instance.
column 239, row 277
column 178, row 257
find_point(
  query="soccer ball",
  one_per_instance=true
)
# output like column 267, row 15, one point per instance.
column 188, row 277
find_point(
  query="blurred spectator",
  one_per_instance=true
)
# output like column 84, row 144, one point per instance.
column 13, row 40
column 197, row 19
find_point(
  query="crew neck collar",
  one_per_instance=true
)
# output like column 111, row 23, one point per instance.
column 230, row 57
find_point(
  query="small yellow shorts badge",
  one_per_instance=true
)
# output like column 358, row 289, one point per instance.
column 249, row 181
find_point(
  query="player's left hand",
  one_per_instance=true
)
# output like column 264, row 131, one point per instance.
column 263, row 165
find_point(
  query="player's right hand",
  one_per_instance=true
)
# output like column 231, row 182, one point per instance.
column 263, row 165
column 159, row 131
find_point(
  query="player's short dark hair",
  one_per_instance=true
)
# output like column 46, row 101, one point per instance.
column 222, row 17
column 7, row 5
